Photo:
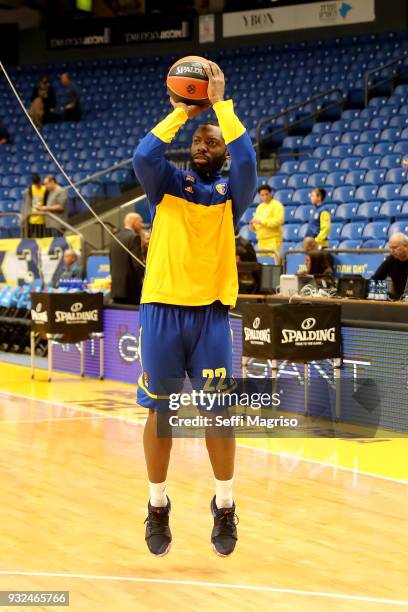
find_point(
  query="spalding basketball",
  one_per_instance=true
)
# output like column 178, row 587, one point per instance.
column 187, row 81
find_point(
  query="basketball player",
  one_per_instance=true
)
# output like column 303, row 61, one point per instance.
column 190, row 284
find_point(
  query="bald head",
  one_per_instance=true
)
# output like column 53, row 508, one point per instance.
column 70, row 257
column 398, row 245
column 310, row 244
column 133, row 221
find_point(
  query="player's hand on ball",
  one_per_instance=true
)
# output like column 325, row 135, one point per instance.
column 191, row 110
column 216, row 82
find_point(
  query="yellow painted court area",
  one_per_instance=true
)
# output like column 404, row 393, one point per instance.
column 322, row 523
column 383, row 456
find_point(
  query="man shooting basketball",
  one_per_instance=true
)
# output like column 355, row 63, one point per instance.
column 190, row 284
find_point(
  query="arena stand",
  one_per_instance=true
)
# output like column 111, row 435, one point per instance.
column 356, row 155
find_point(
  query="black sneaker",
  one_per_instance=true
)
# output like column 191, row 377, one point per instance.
column 224, row 534
column 158, row 534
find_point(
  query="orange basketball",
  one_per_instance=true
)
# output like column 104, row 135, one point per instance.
column 187, row 81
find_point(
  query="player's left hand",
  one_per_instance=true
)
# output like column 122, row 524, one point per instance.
column 216, row 82
column 191, row 109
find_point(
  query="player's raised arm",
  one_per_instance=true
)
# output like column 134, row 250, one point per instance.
column 243, row 159
column 151, row 167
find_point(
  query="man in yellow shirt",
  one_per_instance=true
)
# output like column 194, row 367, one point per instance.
column 268, row 220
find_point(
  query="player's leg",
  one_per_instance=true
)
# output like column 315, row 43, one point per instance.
column 162, row 360
column 211, row 361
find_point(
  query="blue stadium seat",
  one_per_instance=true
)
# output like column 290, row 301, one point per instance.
column 404, row 191
column 374, row 244
column 342, row 150
column 336, row 179
column 401, row 147
column 302, row 231
column 363, row 149
column 335, row 230
column 350, row 244
column 383, row 148
column 284, row 195
column 311, row 141
column 369, row 136
column 317, row 179
column 322, row 151
column 248, row 214
column 375, row 177
column 343, row 194
column 309, row 165
column 303, row 213
column 351, row 137
column 330, row 139
column 288, row 167
column 389, row 191
column 289, row 213
column 330, row 164
column 377, row 230
column 297, row 181
column 291, row 232
column 279, row 181
column 371, row 162
column 398, row 226
column 345, row 212
column 392, row 208
column 397, row 175
column 404, row 209
column 355, row 177
column 302, row 196
column 367, row 210
column 353, row 231
column 366, row 192
column 351, row 163
column 392, row 134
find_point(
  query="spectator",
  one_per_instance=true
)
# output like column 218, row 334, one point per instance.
column 268, row 220
column 404, row 162
column 126, row 272
column 33, row 200
column 4, row 135
column 317, row 263
column 43, row 103
column 244, row 250
column 396, row 265
column 72, row 106
column 319, row 225
column 310, row 244
column 70, row 269
column 56, row 201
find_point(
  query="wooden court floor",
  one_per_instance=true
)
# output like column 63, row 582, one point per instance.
column 323, row 523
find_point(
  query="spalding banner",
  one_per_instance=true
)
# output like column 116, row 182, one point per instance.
column 73, row 316
column 297, row 332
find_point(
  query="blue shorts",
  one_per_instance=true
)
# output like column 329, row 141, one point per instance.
column 179, row 340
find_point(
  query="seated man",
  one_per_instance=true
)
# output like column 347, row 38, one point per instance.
column 396, row 265
column 320, row 222
column 70, row 269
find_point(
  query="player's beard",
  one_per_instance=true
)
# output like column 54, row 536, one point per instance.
column 211, row 167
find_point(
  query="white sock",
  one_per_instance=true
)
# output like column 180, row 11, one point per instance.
column 223, row 493
column 158, row 494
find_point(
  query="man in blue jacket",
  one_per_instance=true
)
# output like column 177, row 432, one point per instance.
column 190, row 284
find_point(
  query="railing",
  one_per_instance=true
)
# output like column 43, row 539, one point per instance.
column 314, row 113
column 369, row 86
column 334, row 251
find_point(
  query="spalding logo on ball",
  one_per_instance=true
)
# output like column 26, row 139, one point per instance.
column 187, row 81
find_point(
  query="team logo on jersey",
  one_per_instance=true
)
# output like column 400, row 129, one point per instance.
column 190, row 177
column 189, row 189
column 221, row 188
column 146, row 379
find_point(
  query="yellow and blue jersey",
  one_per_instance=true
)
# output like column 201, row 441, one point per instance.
column 191, row 257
